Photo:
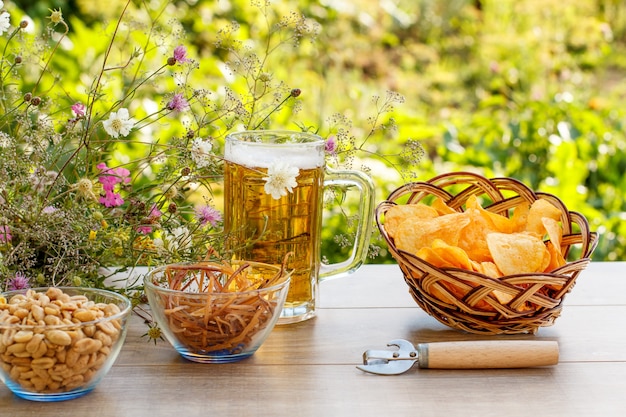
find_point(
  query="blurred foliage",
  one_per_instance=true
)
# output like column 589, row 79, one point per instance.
column 528, row 88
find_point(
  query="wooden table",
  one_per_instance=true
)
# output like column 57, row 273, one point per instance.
column 308, row 369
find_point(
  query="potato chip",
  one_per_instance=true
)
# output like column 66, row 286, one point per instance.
column 520, row 217
column 518, row 253
column 473, row 237
column 554, row 230
column 432, row 257
column 442, row 208
column 538, row 210
column 395, row 215
column 454, row 256
column 417, row 233
column 547, row 258
column 556, row 257
column 499, row 223
column 488, row 268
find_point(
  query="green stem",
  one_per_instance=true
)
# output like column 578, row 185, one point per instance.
column 278, row 106
column 56, row 46
column 4, row 53
column 94, row 94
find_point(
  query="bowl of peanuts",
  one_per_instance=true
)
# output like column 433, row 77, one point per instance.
column 58, row 343
column 214, row 312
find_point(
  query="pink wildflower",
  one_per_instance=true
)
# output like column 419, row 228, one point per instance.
column 144, row 229
column 18, row 282
column 178, row 103
column 155, row 213
column 111, row 199
column 79, row 109
column 112, row 176
column 154, row 216
column 108, row 179
column 5, row 234
column 331, row 145
column 208, row 214
column 180, row 54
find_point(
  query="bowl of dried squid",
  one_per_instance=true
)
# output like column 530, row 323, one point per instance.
column 214, row 312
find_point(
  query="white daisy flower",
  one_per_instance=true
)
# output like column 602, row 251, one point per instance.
column 5, row 20
column 281, row 178
column 201, row 152
column 159, row 245
column 179, row 238
column 119, row 123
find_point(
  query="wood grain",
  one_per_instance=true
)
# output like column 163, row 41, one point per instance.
column 309, row 369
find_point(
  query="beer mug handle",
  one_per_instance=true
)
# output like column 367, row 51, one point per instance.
column 364, row 229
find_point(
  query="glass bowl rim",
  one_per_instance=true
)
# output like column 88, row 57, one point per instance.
column 284, row 281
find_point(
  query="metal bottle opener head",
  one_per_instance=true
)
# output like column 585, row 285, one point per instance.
column 388, row 362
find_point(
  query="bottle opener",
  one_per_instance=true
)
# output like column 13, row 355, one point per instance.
column 460, row 355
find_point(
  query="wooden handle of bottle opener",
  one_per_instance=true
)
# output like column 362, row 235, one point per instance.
column 487, row 354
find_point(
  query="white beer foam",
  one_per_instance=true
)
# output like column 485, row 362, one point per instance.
column 256, row 155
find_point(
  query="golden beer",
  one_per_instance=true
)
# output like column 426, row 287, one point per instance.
column 264, row 229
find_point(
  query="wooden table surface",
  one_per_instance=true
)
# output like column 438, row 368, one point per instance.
column 309, row 369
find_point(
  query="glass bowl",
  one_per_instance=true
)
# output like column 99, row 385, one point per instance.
column 216, row 313
column 58, row 343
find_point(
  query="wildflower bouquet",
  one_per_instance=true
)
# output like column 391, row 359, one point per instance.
column 89, row 179
column 123, row 168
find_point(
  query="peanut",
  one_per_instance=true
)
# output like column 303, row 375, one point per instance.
column 43, row 299
column 71, row 357
column 33, row 344
column 103, row 337
column 16, row 348
column 23, row 336
column 52, row 320
column 89, row 331
column 85, row 315
column 59, row 337
column 54, row 293
column 88, row 346
column 55, row 360
column 38, row 312
column 108, row 327
column 21, row 313
column 52, row 310
column 43, row 363
column 41, row 351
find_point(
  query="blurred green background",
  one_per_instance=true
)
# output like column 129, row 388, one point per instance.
column 532, row 89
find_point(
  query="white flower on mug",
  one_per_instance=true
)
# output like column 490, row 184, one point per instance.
column 281, row 178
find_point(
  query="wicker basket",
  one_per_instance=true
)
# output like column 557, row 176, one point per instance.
column 540, row 294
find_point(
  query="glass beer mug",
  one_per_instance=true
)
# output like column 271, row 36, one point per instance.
column 268, row 214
